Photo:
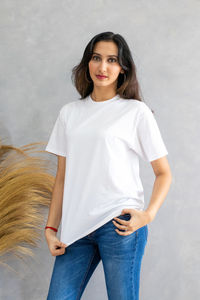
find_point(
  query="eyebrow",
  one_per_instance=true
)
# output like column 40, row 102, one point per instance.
column 107, row 55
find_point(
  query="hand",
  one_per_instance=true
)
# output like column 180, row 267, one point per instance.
column 138, row 219
column 55, row 246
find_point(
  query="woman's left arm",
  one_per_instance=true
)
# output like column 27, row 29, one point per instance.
column 161, row 186
column 140, row 218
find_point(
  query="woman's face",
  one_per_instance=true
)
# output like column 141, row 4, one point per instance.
column 104, row 61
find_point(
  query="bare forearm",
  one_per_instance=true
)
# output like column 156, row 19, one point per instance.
column 55, row 209
column 160, row 190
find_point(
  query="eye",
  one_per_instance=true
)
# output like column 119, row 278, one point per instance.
column 113, row 59
column 95, row 57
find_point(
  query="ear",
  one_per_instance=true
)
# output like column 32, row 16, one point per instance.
column 122, row 71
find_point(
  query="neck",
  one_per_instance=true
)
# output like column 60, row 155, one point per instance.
column 99, row 94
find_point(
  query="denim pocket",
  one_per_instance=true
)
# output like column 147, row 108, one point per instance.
column 124, row 217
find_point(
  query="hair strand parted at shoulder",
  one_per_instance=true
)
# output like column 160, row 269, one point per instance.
column 127, row 85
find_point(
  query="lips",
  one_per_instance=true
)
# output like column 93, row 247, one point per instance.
column 101, row 77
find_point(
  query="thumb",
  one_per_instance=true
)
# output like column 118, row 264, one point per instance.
column 125, row 211
column 59, row 243
column 62, row 244
column 128, row 211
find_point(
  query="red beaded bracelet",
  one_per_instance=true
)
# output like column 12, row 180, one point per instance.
column 51, row 228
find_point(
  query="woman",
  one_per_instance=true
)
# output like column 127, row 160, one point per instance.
column 98, row 192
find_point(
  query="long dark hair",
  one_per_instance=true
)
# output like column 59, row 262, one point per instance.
column 127, row 85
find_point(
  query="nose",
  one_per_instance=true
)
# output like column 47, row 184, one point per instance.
column 102, row 66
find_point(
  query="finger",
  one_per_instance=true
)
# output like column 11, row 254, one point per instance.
column 127, row 211
column 63, row 245
column 61, row 252
column 59, row 248
column 119, row 226
column 123, row 232
column 122, row 221
column 60, row 244
column 58, row 251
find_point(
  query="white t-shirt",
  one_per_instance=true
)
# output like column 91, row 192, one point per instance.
column 102, row 142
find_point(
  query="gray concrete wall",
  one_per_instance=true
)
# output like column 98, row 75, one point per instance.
column 40, row 42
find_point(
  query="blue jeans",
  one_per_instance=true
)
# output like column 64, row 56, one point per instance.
column 121, row 258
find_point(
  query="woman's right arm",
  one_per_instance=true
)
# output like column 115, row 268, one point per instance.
column 55, row 209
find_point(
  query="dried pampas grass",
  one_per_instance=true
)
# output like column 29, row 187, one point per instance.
column 25, row 188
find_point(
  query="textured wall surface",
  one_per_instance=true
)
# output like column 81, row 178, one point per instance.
column 40, row 43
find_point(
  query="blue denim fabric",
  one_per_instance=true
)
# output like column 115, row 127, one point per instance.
column 121, row 258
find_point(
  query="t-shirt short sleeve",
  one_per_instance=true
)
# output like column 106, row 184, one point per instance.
column 148, row 142
column 57, row 140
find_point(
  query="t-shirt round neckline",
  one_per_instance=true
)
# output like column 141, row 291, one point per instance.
column 105, row 101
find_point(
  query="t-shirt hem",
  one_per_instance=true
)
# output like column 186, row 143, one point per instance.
column 104, row 221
